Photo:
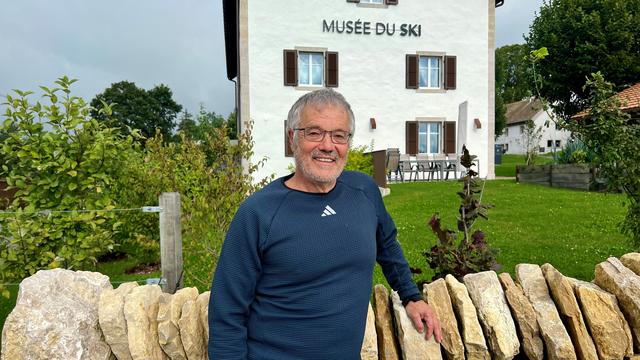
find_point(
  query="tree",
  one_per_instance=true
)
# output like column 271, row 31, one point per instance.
column 204, row 123
column 613, row 136
column 514, row 81
column 583, row 37
column 136, row 108
column 530, row 139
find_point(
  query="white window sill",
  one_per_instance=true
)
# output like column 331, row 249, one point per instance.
column 308, row 87
column 380, row 6
column 431, row 91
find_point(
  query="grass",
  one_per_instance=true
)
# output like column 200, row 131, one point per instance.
column 116, row 270
column 572, row 230
column 509, row 162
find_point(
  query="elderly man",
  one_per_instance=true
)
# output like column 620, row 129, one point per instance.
column 294, row 275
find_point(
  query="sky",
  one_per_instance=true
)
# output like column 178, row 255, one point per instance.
column 179, row 43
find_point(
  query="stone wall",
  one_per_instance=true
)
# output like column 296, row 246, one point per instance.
column 62, row 314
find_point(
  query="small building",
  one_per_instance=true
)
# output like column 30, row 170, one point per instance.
column 419, row 75
column 513, row 137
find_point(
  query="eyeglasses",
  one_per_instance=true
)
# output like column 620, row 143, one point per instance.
column 317, row 135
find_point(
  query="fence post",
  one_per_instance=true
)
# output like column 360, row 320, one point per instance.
column 170, row 242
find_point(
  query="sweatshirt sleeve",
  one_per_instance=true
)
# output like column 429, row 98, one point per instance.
column 233, row 288
column 390, row 256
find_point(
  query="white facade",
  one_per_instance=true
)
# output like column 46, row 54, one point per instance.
column 512, row 138
column 372, row 70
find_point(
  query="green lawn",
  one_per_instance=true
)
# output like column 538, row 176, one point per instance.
column 509, row 162
column 572, row 230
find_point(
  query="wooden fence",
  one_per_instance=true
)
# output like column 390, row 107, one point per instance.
column 572, row 176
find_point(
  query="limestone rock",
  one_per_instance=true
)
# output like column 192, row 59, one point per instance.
column 555, row 336
column 609, row 329
column 191, row 331
column 141, row 312
column 387, row 349
column 632, row 262
column 437, row 296
column 493, row 311
column 203, row 305
column 413, row 344
column 525, row 318
column 169, row 311
column 615, row 278
column 112, row 321
column 369, row 349
column 472, row 336
column 569, row 309
column 56, row 317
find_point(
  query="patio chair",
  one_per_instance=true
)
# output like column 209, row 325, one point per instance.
column 451, row 164
column 393, row 166
column 405, row 165
column 437, row 166
column 423, row 165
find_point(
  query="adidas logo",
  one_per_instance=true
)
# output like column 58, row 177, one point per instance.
column 328, row 211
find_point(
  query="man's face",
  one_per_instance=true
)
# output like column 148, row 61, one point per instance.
column 320, row 163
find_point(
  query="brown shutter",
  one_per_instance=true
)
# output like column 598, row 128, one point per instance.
column 449, row 137
column 412, row 71
column 411, row 137
column 450, row 72
column 290, row 68
column 331, row 69
column 288, row 152
column 392, row 2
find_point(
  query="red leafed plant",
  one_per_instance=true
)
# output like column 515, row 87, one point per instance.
column 472, row 253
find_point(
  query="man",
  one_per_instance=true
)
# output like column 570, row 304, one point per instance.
column 294, row 276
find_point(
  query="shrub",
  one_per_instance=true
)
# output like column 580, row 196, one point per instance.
column 574, row 152
column 359, row 160
column 212, row 182
column 62, row 163
column 472, row 253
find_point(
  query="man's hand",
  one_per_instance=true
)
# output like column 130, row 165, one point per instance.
column 419, row 312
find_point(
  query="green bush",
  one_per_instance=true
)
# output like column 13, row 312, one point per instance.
column 212, row 183
column 359, row 160
column 63, row 164
column 574, row 152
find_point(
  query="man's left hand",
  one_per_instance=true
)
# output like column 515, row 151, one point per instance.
column 421, row 313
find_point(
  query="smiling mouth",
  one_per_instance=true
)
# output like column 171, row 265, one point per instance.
column 325, row 160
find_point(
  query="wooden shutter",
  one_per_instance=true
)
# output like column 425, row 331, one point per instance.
column 450, row 72
column 449, row 137
column 288, row 152
column 411, row 71
column 392, row 2
column 411, row 137
column 331, row 69
column 290, row 68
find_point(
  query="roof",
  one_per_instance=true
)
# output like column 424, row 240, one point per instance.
column 629, row 100
column 523, row 110
column 230, row 19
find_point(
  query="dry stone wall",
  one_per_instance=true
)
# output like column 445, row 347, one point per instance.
column 63, row 314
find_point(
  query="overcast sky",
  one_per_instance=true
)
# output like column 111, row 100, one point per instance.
column 175, row 42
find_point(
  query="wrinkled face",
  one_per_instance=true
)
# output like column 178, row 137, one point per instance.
column 320, row 163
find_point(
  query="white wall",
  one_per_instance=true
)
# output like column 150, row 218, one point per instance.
column 371, row 69
column 514, row 136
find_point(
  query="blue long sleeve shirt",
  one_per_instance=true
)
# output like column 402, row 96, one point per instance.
column 294, row 276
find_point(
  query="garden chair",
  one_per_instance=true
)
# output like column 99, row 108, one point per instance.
column 393, row 166
column 451, row 164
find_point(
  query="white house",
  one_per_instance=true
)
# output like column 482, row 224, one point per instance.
column 518, row 113
column 419, row 74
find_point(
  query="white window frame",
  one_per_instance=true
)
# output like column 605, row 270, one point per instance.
column 428, row 69
column 310, row 54
column 427, row 136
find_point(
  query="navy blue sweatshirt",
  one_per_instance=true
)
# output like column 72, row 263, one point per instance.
column 294, row 275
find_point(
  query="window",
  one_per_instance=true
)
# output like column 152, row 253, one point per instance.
column 429, row 72
column 557, row 143
column 433, row 72
column 310, row 68
column 549, row 143
column 506, row 131
column 430, row 137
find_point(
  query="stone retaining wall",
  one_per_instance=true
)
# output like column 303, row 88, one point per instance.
column 62, row 314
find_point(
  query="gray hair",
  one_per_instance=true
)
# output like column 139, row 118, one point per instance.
column 316, row 98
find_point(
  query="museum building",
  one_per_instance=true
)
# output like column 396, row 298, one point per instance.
column 419, row 74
